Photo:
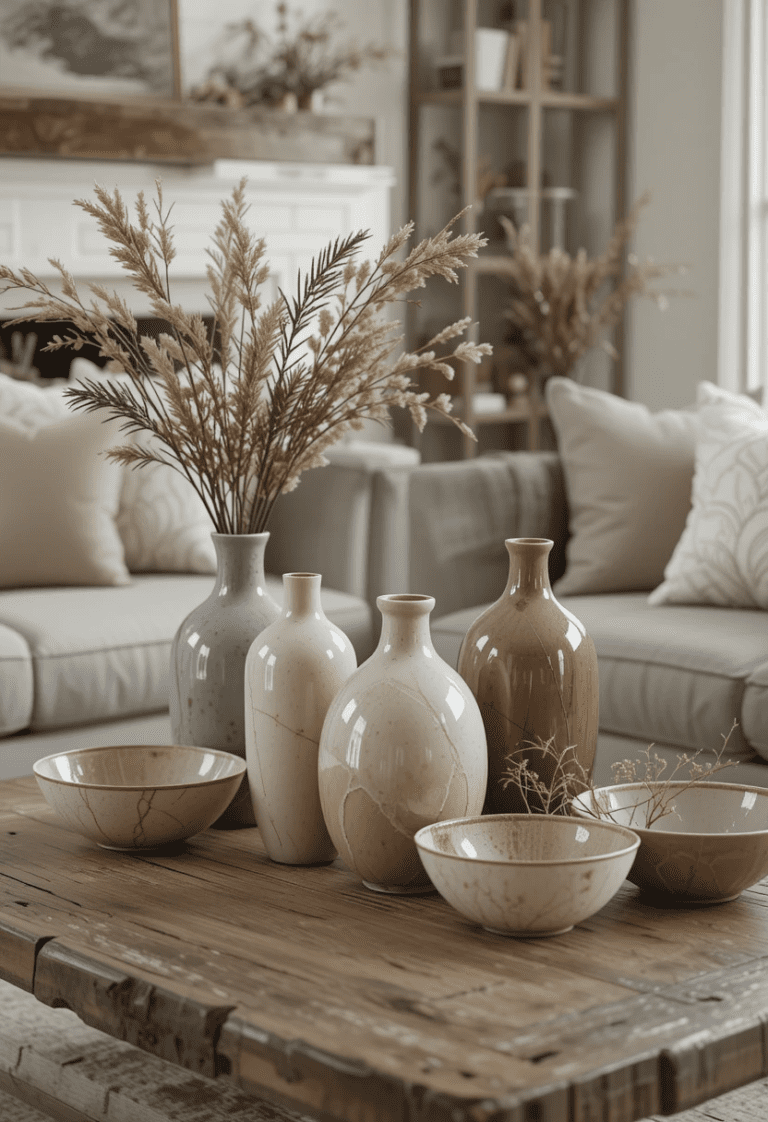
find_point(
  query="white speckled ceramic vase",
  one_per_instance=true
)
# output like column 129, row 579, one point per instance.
column 403, row 746
column 533, row 669
column 293, row 672
column 208, row 658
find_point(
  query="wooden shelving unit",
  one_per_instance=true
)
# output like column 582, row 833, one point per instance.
column 529, row 122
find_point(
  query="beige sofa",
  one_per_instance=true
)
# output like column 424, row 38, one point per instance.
column 676, row 675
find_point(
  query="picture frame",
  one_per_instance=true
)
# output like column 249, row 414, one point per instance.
column 90, row 49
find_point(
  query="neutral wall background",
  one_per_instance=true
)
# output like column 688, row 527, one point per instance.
column 674, row 151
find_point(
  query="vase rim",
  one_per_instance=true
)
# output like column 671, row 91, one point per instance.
column 228, row 537
column 405, row 603
column 529, row 541
column 301, row 576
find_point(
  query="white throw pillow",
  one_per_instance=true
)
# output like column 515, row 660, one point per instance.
column 722, row 555
column 58, row 500
column 628, row 475
column 30, row 404
column 162, row 521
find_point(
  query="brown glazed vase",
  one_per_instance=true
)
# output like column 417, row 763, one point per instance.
column 533, row 670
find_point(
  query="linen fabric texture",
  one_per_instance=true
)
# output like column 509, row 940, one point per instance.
column 722, row 555
column 628, row 477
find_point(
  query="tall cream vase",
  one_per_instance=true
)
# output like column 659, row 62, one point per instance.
column 403, row 746
column 293, row 671
column 208, row 653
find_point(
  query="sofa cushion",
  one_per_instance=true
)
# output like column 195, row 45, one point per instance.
column 103, row 653
column 16, row 686
column 162, row 521
column 628, row 475
column 722, row 556
column 58, row 500
column 674, row 674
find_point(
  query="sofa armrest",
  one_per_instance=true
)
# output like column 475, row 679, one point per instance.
column 440, row 528
column 324, row 526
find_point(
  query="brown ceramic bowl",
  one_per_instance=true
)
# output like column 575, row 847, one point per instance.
column 711, row 845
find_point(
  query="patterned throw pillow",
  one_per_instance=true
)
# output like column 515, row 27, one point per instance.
column 162, row 521
column 722, row 555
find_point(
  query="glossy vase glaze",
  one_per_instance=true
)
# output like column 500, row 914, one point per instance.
column 293, row 672
column 402, row 747
column 208, row 658
column 533, row 669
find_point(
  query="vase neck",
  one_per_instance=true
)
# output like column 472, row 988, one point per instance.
column 528, row 566
column 240, row 564
column 405, row 624
column 301, row 598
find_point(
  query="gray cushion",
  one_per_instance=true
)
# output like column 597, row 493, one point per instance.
column 16, row 685
column 675, row 674
column 102, row 653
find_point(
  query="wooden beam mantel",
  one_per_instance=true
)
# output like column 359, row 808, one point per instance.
column 177, row 132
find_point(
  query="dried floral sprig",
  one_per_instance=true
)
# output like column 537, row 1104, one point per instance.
column 243, row 411
column 301, row 60
column 563, row 306
column 566, row 777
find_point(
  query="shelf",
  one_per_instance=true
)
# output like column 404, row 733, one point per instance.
column 550, row 156
column 550, row 99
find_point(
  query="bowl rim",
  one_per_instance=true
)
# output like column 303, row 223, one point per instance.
column 707, row 783
column 199, row 782
column 631, row 847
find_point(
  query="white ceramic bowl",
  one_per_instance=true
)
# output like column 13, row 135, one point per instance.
column 526, row 874
column 139, row 796
column 712, row 846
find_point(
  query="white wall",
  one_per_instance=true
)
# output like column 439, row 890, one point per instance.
column 674, row 151
column 379, row 91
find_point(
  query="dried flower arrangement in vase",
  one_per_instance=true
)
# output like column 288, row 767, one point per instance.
column 243, row 410
column 560, row 306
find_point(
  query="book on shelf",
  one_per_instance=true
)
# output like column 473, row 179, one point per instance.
column 512, row 62
column 551, row 65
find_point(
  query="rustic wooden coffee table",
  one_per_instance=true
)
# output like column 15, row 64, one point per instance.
column 302, row 986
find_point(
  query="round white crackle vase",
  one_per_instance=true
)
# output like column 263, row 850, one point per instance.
column 403, row 746
column 292, row 673
column 208, row 658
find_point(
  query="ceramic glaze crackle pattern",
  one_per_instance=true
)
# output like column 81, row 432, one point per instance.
column 292, row 673
column 139, row 796
column 527, row 874
column 402, row 746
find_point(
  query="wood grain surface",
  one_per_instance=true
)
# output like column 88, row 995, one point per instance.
column 177, row 132
column 300, row 985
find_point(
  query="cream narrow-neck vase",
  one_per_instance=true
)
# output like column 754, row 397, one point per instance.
column 292, row 673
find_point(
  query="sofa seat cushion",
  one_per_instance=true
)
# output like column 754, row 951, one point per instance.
column 675, row 674
column 103, row 653
column 16, row 685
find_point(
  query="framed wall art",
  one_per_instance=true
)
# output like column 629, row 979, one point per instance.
column 90, row 48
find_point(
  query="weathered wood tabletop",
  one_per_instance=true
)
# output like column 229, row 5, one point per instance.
column 302, row 986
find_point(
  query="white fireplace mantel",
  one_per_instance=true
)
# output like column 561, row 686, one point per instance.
column 296, row 208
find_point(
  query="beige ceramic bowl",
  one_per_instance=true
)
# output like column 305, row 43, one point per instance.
column 132, row 796
column 708, row 849
column 526, row 874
